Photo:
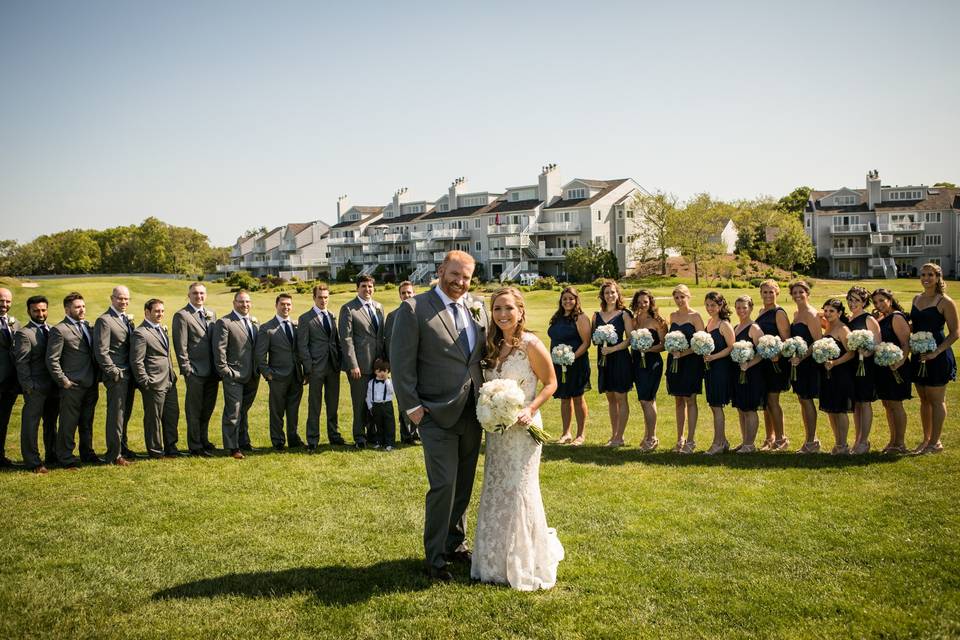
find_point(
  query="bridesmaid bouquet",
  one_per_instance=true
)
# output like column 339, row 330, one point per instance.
column 769, row 347
column 825, row 349
column 562, row 355
column 743, row 352
column 702, row 345
column 888, row 354
column 861, row 340
column 498, row 405
column 641, row 340
column 922, row 342
column 675, row 342
column 795, row 347
column 605, row 334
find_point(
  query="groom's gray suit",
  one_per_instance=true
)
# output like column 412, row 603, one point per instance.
column 432, row 369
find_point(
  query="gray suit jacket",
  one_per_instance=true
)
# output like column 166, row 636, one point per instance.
column 388, row 332
column 152, row 366
column 111, row 345
column 69, row 357
column 429, row 366
column 276, row 356
column 319, row 350
column 30, row 355
column 233, row 351
column 8, row 369
column 192, row 342
column 360, row 342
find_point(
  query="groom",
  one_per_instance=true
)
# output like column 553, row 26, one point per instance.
column 436, row 376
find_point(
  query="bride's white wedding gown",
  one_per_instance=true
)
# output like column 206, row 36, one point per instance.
column 513, row 544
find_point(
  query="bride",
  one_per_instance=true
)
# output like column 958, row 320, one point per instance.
column 512, row 544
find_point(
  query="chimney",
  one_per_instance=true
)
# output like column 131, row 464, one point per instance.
column 399, row 197
column 873, row 189
column 549, row 188
column 456, row 188
column 343, row 204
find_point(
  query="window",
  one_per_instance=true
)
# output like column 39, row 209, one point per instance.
column 476, row 223
column 807, row 222
column 576, row 194
column 473, row 201
column 443, row 208
column 598, row 216
column 619, row 214
column 933, row 216
column 619, row 239
column 842, row 201
column 515, row 196
column 630, row 213
column 479, row 246
column 598, row 240
column 935, row 261
column 933, row 240
column 906, row 195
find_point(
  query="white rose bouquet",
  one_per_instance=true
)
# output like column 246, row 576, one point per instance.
column 922, row 342
column 702, row 344
column 887, row 354
column 562, row 355
column 605, row 334
column 501, row 400
column 769, row 347
column 795, row 347
column 675, row 342
column 861, row 340
column 825, row 349
column 641, row 340
column 742, row 353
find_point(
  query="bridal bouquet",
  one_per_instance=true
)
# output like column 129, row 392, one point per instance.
column 641, row 340
column 922, row 342
column 742, row 352
column 769, row 347
column 825, row 349
column 795, row 347
column 888, row 354
column 675, row 342
column 861, row 340
column 501, row 400
column 562, row 355
column 702, row 344
column 605, row 334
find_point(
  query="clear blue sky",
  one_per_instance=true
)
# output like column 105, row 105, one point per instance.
column 229, row 115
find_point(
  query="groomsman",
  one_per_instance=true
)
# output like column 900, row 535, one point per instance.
column 234, row 339
column 279, row 362
column 319, row 347
column 361, row 342
column 9, row 386
column 153, row 370
column 192, row 334
column 40, row 397
column 408, row 430
column 111, row 347
column 72, row 365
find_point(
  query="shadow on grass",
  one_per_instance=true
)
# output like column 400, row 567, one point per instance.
column 330, row 585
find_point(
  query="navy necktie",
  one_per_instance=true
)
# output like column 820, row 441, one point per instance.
column 6, row 328
column 287, row 330
column 202, row 317
column 373, row 317
column 326, row 321
column 462, row 338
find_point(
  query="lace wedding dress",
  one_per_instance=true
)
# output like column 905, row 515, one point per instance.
column 512, row 544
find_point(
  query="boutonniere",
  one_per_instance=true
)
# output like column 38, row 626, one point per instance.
column 485, row 363
column 129, row 317
column 476, row 308
column 11, row 320
column 207, row 315
column 254, row 320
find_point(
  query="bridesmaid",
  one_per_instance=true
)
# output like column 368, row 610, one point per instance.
column 570, row 326
column 773, row 321
column 894, row 328
column 719, row 377
column 865, row 386
column 806, row 324
column 836, row 376
column 646, row 378
column 751, row 394
column 931, row 310
column 614, row 375
column 687, row 382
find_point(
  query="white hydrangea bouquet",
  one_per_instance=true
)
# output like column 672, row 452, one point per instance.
column 605, row 334
column 887, row 354
column 741, row 353
column 702, row 344
column 501, row 400
column 641, row 340
column 675, row 342
column 769, row 347
column 861, row 340
column 562, row 355
column 825, row 349
column 922, row 342
column 795, row 347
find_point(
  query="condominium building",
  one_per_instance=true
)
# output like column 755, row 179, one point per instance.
column 295, row 249
column 883, row 231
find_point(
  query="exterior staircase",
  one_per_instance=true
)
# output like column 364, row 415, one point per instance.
column 421, row 273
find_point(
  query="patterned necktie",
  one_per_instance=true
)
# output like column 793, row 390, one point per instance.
column 163, row 338
column 249, row 326
column 462, row 338
column 373, row 317
column 202, row 317
column 83, row 332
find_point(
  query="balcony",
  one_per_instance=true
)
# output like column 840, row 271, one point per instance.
column 347, row 240
column 903, row 250
column 300, row 261
column 502, row 254
column 424, row 256
column 881, row 238
column 880, row 263
column 544, row 228
column 448, row 234
column 902, row 227
column 393, row 258
column 288, row 246
column 850, row 252
column 228, row 268
column 342, row 260
column 555, row 253
column 438, row 256
column 236, row 252
column 504, row 229
column 391, row 238
column 418, row 235
column 428, row 245
column 850, row 228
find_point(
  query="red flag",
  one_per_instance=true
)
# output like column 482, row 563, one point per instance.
column 497, row 219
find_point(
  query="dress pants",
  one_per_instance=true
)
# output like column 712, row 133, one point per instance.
column 39, row 405
column 285, row 395
column 321, row 384
column 362, row 425
column 384, row 423
column 77, row 408
column 199, row 404
column 238, row 397
column 161, row 417
column 7, row 399
column 119, row 407
column 408, row 430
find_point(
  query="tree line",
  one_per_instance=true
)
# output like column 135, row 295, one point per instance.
column 150, row 247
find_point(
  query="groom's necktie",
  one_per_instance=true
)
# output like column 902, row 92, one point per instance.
column 462, row 338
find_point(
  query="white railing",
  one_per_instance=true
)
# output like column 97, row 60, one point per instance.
column 393, row 257
column 341, row 260
column 390, row 238
column 427, row 245
column 502, row 229
column 344, row 240
column 850, row 228
column 501, row 254
column 300, row 261
column 418, row 235
column 236, row 252
column 368, row 269
column 448, row 234
column 902, row 250
column 439, row 255
column 552, row 252
column 850, row 251
column 424, row 256
column 902, row 227
column 288, row 246
column 881, row 238
column 555, row 227
column 882, row 262
column 422, row 272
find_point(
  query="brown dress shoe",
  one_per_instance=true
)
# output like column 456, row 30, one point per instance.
column 237, row 455
column 121, row 462
column 41, row 470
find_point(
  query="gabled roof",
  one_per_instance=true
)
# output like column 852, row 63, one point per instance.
column 269, row 233
column 297, row 227
column 407, row 217
column 461, row 212
column 605, row 186
column 942, row 198
column 352, row 223
column 506, row 206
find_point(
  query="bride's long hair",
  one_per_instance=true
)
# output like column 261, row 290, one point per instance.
column 495, row 336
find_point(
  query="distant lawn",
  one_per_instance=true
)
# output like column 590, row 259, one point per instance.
column 292, row 545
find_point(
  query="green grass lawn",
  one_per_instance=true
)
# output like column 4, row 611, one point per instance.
column 329, row 545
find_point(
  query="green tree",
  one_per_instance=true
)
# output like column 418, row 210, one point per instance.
column 795, row 202
column 945, row 185
column 584, row 264
column 697, row 229
column 652, row 214
column 792, row 248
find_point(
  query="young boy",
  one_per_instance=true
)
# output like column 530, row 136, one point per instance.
column 380, row 404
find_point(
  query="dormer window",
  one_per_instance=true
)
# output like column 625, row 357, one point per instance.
column 443, row 208
column 906, row 195
column 843, row 201
column 414, row 208
column 576, row 194
column 515, row 196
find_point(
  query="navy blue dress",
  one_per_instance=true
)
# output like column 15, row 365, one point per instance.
column 943, row 368
column 577, row 378
column 776, row 380
column 865, row 386
column 751, row 394
column 615, row 374
column 647, row 378
column 887, row 386
column 807, row 384
column 836, row 391
column 718, row 379
column 688, row 380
